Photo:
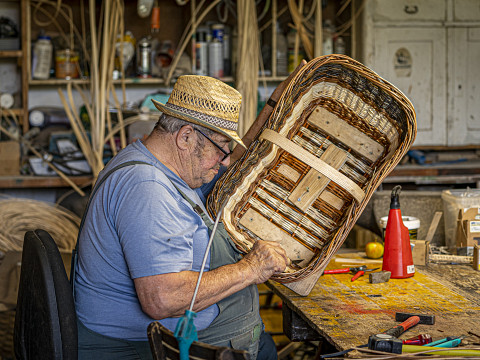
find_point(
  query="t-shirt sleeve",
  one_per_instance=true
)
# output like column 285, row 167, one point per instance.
column 151, row 224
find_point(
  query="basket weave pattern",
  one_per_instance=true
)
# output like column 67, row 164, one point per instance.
column 191, row 95
column 355, row 124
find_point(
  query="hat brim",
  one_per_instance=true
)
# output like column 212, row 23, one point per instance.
column 187, row 117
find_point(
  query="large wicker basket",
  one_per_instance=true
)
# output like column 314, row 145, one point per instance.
column 335, row 134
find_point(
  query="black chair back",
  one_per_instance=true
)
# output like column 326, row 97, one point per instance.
column 45, row 320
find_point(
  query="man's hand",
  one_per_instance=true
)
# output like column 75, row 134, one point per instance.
column 169, row 294
column 265, row 259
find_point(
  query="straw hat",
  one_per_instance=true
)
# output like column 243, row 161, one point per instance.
column 205, row 101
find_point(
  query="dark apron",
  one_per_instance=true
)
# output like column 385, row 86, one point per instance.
column 238, row 323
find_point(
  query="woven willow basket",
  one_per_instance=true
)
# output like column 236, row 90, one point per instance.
column 335, row 134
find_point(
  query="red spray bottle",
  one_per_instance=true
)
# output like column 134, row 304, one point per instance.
column 397, row 257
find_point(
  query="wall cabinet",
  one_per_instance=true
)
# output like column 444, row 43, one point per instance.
column 429, row 49
column 464, row 86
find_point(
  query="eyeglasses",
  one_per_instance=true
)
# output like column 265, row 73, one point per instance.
column 225, row 154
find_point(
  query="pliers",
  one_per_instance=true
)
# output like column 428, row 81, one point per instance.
column 357, row 271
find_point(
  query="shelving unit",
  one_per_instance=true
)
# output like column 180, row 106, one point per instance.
column 139, row 27
column 19, row 182
column 22, row 111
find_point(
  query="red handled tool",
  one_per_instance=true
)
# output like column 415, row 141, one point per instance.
column 362, row 272
column 388, row 341
column 421, row 339
column 357, row 271
column 346, row 270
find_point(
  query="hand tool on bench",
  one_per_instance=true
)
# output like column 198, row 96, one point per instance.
column 388, row 341
column 357, row 271
column 450, row 343
column 361, row 273
column 441, row 341
column 421, row 339
column 345, row 270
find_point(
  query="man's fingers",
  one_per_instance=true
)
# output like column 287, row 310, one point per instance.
column 279, row 250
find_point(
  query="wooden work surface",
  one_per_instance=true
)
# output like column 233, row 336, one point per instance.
column 345, row 313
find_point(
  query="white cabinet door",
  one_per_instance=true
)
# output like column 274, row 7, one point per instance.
column 413, row 59
column 466, row 10
column 464, row 111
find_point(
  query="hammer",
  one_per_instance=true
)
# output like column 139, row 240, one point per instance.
column 388, row 341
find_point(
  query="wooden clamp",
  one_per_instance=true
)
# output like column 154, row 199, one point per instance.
column 314, row 162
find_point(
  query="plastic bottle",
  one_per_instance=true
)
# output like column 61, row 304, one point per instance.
column 42, row 58
column 397, row 257
column 282, row 53
column 328, row 31
column 339, row 45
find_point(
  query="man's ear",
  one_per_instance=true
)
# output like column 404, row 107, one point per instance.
column 186, row 137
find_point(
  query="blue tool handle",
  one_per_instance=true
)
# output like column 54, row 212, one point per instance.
column 449, row 344
column 186, row 333
column 440, row 341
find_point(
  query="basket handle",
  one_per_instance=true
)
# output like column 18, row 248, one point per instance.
column 311, row 160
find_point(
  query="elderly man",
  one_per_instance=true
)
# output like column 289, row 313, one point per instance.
column 146, row 230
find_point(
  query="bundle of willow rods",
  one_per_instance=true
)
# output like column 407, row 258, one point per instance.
column 101, row 94
column 248, row 63
column 22, row 215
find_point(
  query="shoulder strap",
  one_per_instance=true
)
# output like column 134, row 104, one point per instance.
column 95, row 188
column 196, row 208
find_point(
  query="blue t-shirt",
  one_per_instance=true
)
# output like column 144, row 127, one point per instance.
column 138, row 225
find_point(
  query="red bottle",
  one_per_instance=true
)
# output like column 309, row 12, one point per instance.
column 397, row 257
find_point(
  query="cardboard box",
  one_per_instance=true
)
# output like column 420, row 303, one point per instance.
column 420, row 252
column 468, row 227
column 9, row 158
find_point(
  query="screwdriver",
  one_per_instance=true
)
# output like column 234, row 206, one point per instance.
column 437, row 342
column 421, row 339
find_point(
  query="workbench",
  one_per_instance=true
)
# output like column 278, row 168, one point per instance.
column 346, row 313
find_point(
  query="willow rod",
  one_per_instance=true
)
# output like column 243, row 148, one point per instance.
column 21, row 215
column 94, row 85
column 58, row 5
column 123, row 137
column 297, row 19
column 81, row 129
column 247, row 66
column 185, row 42
column 113, row 21
column 130, row 120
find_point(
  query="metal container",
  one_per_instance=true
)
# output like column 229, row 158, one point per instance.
column 215, row 59
column 201, row 51
column 218, row 31
column 144, row 58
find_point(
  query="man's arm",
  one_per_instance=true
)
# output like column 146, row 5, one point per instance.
column 263, row 115
column 169, row 295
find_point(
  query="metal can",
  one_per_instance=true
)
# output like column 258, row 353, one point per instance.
column 215, row 59
column 144, row 58
column 201, row 51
